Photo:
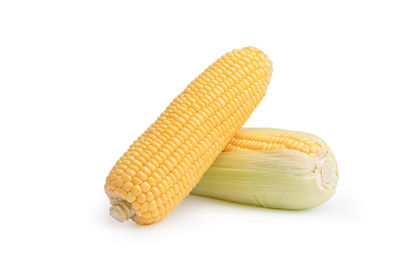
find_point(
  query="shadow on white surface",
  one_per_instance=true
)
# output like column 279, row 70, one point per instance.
column 201, row 210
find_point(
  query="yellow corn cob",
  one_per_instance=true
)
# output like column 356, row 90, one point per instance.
column 272, row 168
column 163, row 165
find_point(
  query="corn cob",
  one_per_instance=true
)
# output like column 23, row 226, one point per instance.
column 272, row 168
column 164, row 164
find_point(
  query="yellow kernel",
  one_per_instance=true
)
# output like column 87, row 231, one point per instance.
column 113, row 184
column 146, row 171
column 172, row 177
column 156, row 191
column 136, row 205
column 157, row 177
column 299, row 145
column 137, row 190
column 123, row 194
column 142, row 159
column 162, row 188
column 139, row 213
column 179, row 170
column 146, row 215
column 136, row 180
column 130, row 197
column 149, row 196
column 170, row 193
column 128, row 186
column 169, row 165
column 130, row 172
column 155, row 213
column 173, row 161
column 162, row 209
column 145, row 186
column 150, row 166
column 152, row 181
column 119, row 181
column 158, row 202
column 152, row 149
column 152, row 205
column 158, row 159
column 144, row 207
column 119, row 171
column 166, row 151
column 164, row 169
column 126, row 178
column 165, row 184
column 141, row 198
column 169, row 148
column 176, row 188
column 169, row 181
column 141, row 175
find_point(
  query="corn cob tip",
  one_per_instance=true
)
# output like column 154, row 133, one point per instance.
column 328, row 177
column 121, row 210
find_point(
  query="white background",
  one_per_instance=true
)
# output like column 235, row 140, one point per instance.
column 80, row 80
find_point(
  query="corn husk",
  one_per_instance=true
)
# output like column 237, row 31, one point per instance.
column 278, row 178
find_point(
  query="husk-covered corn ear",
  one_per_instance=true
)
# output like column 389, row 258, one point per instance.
column 272, row 168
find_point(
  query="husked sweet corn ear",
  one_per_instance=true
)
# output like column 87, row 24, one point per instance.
column 164, row 164
column 272, row 168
